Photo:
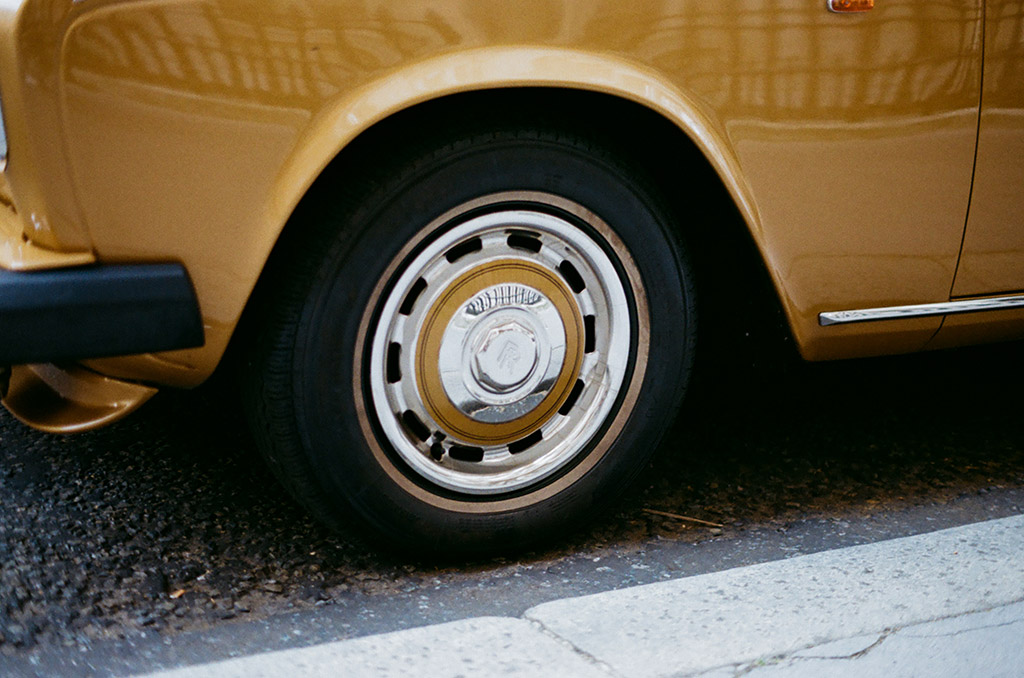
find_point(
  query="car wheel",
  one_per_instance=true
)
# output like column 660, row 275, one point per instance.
column 480, row 352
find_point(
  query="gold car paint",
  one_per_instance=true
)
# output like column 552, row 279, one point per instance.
column 993, row 253
column 17, row 253
column 191, row 128
column 37, row 169
column 969, row 328
column 69, row 399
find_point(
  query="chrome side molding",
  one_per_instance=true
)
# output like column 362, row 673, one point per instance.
column 920, row 310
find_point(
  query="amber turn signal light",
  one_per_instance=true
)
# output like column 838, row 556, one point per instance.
column 844, row 6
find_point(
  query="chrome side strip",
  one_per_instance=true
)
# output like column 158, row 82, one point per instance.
column 920, row 310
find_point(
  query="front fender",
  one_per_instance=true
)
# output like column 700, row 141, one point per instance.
column 496, row 68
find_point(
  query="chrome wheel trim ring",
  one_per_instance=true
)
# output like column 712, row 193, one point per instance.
column 602, row 370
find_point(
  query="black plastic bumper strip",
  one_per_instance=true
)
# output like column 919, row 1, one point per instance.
column 96, row 311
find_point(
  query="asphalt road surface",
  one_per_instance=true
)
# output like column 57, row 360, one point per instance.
column 167, row 523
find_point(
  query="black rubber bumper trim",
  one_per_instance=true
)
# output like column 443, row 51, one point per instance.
column 96, row 311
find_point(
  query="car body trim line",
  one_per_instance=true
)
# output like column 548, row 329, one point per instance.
column 921, row 310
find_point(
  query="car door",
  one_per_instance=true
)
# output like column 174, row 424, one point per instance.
column 993, row 252
column 992, row 259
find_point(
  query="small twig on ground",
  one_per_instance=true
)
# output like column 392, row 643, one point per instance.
column 679, row 517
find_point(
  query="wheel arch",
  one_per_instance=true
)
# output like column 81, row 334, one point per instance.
column 419, row 86
column 682, row 144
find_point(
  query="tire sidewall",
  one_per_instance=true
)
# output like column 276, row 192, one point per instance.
column 356, row 469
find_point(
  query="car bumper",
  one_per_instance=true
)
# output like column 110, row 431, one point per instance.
column 95, row 311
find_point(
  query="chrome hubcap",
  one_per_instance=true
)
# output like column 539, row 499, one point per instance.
column 500, row 351
column 505, row 357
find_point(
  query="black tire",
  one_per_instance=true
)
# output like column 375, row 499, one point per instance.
column 326, row 431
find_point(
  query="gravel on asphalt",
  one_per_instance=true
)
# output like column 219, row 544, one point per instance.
column 168, row 521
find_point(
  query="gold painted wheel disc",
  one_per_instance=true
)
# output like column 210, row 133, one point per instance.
column 496, row 309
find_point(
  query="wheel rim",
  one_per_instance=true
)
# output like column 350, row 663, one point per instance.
column 500, row 351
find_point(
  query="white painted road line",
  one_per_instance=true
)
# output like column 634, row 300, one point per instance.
column 763, row 618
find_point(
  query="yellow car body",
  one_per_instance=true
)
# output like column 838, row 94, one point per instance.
column 876, row 157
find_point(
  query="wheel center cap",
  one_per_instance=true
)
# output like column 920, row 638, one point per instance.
column 501, row 352
column 506, row 357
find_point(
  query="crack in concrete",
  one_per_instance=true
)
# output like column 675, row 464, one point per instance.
column 589, row 658
column 902, row 632
column 960, row 632
column 858, row 655
column 757, row 664
column 792, row 659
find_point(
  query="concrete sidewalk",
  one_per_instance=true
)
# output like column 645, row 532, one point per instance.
column 946, row 603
